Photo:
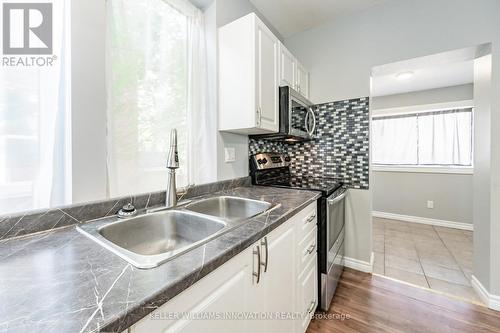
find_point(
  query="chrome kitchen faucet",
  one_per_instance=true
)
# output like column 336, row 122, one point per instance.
column 172, row 164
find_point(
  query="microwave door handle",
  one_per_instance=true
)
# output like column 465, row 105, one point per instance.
column 310, row 113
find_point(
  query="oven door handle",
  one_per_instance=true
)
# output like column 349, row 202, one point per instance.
column 337, row 199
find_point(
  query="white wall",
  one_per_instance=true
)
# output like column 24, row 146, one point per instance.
column 88, row 100
column 341, row 53
column 462, row 92
column 482, row 179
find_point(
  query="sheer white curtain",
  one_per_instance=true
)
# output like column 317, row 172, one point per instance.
column 445, row 138
column 34, row 136
column 394, row 140
column 156, row 81
column 432, row 138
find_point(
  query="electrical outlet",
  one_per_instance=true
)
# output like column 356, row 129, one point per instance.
column 229, row 155
column 430, row 204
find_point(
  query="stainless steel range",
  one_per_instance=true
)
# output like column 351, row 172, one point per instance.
column 273, row 169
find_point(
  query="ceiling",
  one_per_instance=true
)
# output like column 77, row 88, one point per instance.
column 201, row 3
column 292, row 16
column 436, row 71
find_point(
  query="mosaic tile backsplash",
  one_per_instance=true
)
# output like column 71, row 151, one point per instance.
column 340, row 149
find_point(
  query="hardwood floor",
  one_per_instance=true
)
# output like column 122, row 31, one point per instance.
column 376, row 304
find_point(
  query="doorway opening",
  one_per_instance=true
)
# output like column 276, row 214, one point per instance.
column 422, row 168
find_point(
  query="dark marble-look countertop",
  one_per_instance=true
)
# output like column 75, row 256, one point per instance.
column 62, row 281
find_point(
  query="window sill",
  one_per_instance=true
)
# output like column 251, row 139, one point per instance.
column 424, row 169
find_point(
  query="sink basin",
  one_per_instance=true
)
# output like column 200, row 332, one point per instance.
column 229, row 208
column 149, row 240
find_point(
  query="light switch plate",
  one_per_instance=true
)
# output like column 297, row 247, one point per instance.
column 430, row 204
column 229, row 155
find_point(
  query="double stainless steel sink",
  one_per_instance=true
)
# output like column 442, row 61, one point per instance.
column 150, row 239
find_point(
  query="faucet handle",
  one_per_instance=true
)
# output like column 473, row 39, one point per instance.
column 181, row 193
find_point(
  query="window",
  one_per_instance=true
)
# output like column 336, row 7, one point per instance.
column 34, row 136
column 155, row 84
column 148, row 62
column 442, row 138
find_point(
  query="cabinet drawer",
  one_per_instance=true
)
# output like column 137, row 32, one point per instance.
column 308, row 294
column 307, row 249
column 306, row 221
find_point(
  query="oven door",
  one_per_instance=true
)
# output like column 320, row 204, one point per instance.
column 335, row 230
column 335, row 220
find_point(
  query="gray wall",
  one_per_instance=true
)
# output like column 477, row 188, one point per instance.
column 406, row 193
column 432, row 96
column 341, row 53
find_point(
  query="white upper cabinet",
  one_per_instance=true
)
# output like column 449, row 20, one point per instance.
column 248, row 77
column 292, row 72
column 253, row 64
column 288, row 68
column 302, row 80
column 267, row 78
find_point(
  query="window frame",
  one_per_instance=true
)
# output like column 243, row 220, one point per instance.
column 426, row 168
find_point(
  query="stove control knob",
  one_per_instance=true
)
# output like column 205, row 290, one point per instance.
column 287, row 158
column 261, row 161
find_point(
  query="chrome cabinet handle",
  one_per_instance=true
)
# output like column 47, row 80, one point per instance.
column 311, row 218
column 311, row 307
column 259, row 116
column 263, row 243
column 311, row 248
column 256, row 251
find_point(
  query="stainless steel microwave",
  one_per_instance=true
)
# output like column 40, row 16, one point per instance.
column 297, row 118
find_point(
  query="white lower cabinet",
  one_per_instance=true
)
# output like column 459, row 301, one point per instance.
column 224, row 290
column 308, row 294
column 247, row 293
column 279, row 279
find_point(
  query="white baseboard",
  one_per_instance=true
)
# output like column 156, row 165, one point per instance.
column 424, row 220
column 490, row 300
column 359, row 265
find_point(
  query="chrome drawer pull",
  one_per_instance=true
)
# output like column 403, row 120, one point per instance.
column 311, row 218
column 311, row 248
column 257, row 275
column 263, row 243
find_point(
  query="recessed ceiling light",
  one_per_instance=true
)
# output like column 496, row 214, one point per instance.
column 405, row 75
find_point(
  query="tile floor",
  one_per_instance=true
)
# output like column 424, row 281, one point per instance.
column 432, row 257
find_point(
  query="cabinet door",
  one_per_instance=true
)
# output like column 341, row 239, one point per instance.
column 288, row 68
column 308, row 294
column 267, row 78
column 279, row 279
column 302, row 80
column 223, row 291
